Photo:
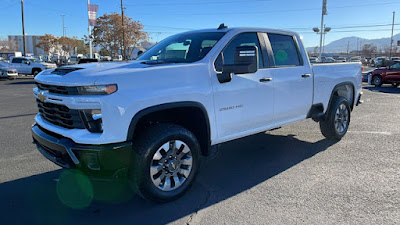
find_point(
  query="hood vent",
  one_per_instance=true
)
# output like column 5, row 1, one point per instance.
column 65, row 70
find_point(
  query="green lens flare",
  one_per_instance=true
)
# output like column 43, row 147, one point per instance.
column 74, row 189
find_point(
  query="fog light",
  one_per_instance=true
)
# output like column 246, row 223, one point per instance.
column 92, row 118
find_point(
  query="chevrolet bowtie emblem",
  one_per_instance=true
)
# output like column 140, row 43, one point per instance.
column 42, row 96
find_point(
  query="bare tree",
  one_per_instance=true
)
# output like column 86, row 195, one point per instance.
column 369, row 49
column 8, row 45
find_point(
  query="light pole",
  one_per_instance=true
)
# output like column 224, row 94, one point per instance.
column 23, row 26
column 63, row 24
column 322, row 33
column 89, row 31
column 123, row 31
column 324, row 12
column 391, row 40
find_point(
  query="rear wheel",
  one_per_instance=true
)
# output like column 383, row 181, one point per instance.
column 167, row 158
column 337, row 120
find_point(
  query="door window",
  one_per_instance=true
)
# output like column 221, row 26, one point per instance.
column 285, row 50
column 395, row 66
column 244, row 39
column 17, row 60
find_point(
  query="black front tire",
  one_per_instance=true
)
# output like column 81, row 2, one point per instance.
column 145, row 147
column 377, row 81
column 327, row 126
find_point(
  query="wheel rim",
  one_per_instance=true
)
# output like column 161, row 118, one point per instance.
column 377, row 80
column 171, row 165
column 341, row 119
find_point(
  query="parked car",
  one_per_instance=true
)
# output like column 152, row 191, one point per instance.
column 86, row 60
column 355, row 59
column 378, row 61
column 313, row 59
column 329, row 60
column 388, row 75
column 6, row 71
column 154, row 117
column 341, row 59
column 30, row 66
column 395, row 58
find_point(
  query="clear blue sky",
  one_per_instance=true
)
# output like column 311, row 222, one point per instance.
column 164, row 18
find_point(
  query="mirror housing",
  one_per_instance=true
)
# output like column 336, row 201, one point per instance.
column 245, row 61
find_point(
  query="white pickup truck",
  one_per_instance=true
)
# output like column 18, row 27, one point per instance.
column 155, row 117
column 30, row 65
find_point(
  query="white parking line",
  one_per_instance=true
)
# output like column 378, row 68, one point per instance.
column 371, row 132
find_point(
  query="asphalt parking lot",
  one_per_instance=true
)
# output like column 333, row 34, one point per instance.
column 287, row 176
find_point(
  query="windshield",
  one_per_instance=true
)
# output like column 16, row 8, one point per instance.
column 183, row 48
column 35, row 60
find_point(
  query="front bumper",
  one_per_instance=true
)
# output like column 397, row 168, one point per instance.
column 102, row 160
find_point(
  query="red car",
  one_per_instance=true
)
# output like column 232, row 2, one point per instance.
column 388, row 75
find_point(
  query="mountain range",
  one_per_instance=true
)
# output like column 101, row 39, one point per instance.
column 341, row 44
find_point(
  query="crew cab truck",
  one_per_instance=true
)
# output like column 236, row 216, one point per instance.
column 155, row 117
column 387, row 75
column 30, row 65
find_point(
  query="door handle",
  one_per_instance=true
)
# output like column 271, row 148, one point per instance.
column 266, row 79
column 306, row 75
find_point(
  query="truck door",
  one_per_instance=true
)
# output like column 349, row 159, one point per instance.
column 244, row 103
column 17, row 64
column 293, row 81
column 25, row 66
column 393, row 74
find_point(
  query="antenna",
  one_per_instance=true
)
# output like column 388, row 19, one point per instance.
column 222, row 26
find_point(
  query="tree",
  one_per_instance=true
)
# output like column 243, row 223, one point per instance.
column 8, row 45
column 369, row 49
column 108, row 33
column 48, row 43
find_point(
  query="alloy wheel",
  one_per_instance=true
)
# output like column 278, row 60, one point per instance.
column 171, row 165
column 341, row 119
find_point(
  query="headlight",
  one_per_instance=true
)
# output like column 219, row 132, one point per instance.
column 98, row 89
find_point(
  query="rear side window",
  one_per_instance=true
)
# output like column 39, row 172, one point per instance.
column 285, row 50
column 17, row 60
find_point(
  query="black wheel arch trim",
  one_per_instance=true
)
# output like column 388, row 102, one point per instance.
column 336, row 88
column 185, row 104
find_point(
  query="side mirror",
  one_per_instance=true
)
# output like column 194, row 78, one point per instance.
column 27, row 62
column 245, row 61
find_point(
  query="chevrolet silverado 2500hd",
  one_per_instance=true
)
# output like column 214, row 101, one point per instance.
column 155, row 117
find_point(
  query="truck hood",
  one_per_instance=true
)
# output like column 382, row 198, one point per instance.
column 86, row 74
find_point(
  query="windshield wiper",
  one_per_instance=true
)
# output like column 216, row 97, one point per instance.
column 153, row 62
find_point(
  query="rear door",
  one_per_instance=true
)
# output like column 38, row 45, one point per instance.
column 293, row 81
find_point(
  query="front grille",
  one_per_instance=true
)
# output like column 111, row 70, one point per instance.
column 60, row 115
column 63, row 90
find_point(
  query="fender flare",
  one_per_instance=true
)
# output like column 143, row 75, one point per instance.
column 139, row 115
column 337, row 87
